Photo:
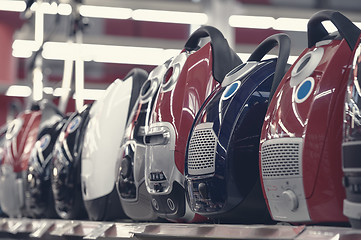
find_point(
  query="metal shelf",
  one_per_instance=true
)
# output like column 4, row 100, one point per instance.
column 11, row 228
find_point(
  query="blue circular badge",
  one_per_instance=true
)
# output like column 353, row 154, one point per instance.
column 44, row 141
column 230, row 90
column 304, row 90
column 74, row 124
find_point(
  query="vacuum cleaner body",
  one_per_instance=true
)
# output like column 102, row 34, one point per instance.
column 39, row 199
column 134, row 197
column 351, row 144
column 22, row 134
column 187, row 83
column 300, row 150
column 103, row 136
column 65, row 174
column 222, row 166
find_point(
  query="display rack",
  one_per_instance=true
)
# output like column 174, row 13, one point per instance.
column 11, row 228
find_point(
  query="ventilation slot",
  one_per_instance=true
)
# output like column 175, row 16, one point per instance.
column 201, row 152
column 281, row 158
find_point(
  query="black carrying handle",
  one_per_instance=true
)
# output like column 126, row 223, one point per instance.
column 284, row 43
column 224, row 58
column 139, row 77
column 316, row 31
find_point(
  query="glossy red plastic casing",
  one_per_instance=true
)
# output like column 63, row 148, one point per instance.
column 318, row 121
column 180, row 105
column 20, row 145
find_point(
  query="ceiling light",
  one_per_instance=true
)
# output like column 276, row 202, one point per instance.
column 13, row 6
column 37, row 84
column 64, row 9
column 170, row 16
column 244, row 57
column 89, row 94
column 259, row 22
column 107, row 53
column 60, row 91
column 105, row 12
column 48, row 90
column 18, row 91
column 283, row 24
column 45, row 7
column 291, row 24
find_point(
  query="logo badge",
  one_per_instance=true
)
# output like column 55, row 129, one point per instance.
column 304, row 90
column 74, row 124
column 230, row 90
column 44, row 141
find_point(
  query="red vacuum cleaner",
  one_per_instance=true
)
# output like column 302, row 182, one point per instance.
column 190, row 78
column 21, row 138
column 300, row 146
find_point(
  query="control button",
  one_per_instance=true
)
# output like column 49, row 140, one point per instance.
column 157, row 176
column 171, row 204
column 290, row 199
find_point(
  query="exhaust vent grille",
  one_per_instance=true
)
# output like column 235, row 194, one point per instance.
column 202, row 150
column 281, row 158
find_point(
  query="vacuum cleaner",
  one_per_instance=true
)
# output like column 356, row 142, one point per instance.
column 191, row 77
column 66, row 166
column 21, row 136
column 222, row 157
column 103, row 135
column 134, row 197
column 300, row 146
column 351, row 144
column 3, row 131
column 39, row 201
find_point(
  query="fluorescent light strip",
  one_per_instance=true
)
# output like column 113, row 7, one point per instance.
column 170, row 16
column 89, row 94
column 37, row 84
column 24, row 48
column 18, row 91
column 64, row 9
column 60, row 91
column 239, row 21
column 12, row 5
column 290, row 24
column 108, row 53
column 45, row 7
column 245, row 56
column 259, row 22
column 111, row 12
column 283, row 24
column 105, row 12
column 48, row 90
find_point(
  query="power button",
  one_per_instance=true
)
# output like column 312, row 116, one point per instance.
column 290, row 199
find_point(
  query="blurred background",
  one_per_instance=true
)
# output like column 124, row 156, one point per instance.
column 46, row 45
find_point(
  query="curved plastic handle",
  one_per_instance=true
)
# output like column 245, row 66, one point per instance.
column 316, row 31
column 139, row 77
column 224, row 58
column 284, row 43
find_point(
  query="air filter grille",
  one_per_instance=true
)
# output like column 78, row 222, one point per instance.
column 201, row 151
column 281, row 158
